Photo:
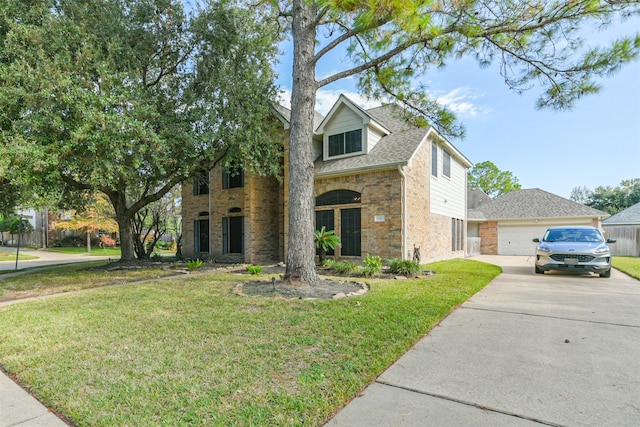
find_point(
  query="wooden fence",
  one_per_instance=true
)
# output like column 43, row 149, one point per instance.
column 627, row 239
column 473, row 246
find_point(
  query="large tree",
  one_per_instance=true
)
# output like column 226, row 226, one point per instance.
column 391, row 43
column 609, row 199
column 493, row 181
column 130, row 97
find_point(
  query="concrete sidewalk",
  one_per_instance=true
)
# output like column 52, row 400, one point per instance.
column 554, row 349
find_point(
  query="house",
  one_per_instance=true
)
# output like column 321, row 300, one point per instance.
column 625, row 228
column 387, row 188
column 507, row 224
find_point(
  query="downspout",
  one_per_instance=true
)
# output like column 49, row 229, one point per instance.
column 404, row 210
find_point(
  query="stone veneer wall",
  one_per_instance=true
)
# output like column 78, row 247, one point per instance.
column 382, row 197
column 488, row 232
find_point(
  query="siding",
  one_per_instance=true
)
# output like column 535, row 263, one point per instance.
column 448, row 193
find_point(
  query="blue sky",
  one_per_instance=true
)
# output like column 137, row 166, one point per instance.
column 595, row 144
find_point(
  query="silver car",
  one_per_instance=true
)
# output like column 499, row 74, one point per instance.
column 574, row 248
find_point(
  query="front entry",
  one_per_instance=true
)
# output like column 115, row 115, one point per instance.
column 233, row 235
column 350, row 231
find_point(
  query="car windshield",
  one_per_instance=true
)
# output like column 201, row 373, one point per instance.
column 573, row 235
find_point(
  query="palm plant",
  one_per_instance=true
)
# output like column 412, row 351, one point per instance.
column 325, row 240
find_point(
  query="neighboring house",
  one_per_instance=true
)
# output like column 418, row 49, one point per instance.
column 507, row 224
column 386, row 187
column 625, row 228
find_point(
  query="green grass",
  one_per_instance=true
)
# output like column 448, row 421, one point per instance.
column 627, row 264
column 11, row 256
column 114, row 252
column 187, row 351
column 70, row 278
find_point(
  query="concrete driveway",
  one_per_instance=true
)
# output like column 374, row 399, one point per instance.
column 554, row 349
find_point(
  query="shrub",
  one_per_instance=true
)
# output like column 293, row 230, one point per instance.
column 372, row 266
column 404, row 267
column 156, row 257
column 69, row 241
column 254, row 269
column 343, row 267
column 193, row 264
column 107, row 241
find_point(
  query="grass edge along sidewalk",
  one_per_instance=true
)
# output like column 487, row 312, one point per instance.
column 187, row 351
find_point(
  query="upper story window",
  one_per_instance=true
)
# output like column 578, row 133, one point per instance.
column 232, row 179
column 434, row 159
column 446, row 164
column 345, row 143
column 201, row 184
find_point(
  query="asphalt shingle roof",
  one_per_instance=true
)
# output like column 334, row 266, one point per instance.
column 531, row 203
column 394, row 149
column 631, row 215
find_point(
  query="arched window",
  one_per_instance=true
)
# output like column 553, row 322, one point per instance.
column 338, row 197
column 235, row 210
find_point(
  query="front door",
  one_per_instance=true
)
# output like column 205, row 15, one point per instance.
column 350, row 231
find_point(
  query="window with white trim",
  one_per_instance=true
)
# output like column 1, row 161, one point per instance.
column 345, row 143
column 446, row 163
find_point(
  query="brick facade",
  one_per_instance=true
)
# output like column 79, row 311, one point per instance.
column 488, row 232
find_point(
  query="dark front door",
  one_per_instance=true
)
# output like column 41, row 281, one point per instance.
column 233, row 235
column 350, row 231
column 202, row 235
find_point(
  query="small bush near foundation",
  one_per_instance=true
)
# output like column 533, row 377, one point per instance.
column 372, row 266
column 194, row 264
column 254, row 269
column 404, row 267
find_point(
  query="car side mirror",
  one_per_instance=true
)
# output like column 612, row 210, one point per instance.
column 611, row 240
column 536, row 240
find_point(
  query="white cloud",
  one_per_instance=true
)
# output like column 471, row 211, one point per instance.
column 326, row 98
column 461, row 102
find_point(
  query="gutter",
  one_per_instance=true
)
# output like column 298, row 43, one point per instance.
column 404, row 210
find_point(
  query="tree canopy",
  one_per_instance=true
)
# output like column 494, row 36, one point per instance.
column 493, row 181
column 130, row 97
column 391, row 43
column 609, row 199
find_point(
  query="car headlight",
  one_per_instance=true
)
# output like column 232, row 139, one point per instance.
column 544, row 248
column 601, row 250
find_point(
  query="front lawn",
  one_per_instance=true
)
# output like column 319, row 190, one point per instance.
column 187, row 351
column 627, row 264
column 68, row 278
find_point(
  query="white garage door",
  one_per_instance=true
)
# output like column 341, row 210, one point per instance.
column 517, row 239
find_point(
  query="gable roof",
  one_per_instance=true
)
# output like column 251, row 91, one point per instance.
column 532, row 203
column 343, row 101
column 396, row 148
column 631, row 215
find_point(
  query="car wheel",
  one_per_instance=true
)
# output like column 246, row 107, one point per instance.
column 606, row 273
column 539, row 270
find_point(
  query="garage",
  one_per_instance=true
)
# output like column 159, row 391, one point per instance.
column 517, row 239
column 508, row 224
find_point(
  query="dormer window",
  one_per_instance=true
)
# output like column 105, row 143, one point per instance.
column 345, row 143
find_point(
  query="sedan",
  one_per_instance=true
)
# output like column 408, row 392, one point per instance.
column 574, row 248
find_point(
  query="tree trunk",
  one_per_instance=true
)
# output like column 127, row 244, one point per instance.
column 126, row 238
column 88, row 241
column 301, row 253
